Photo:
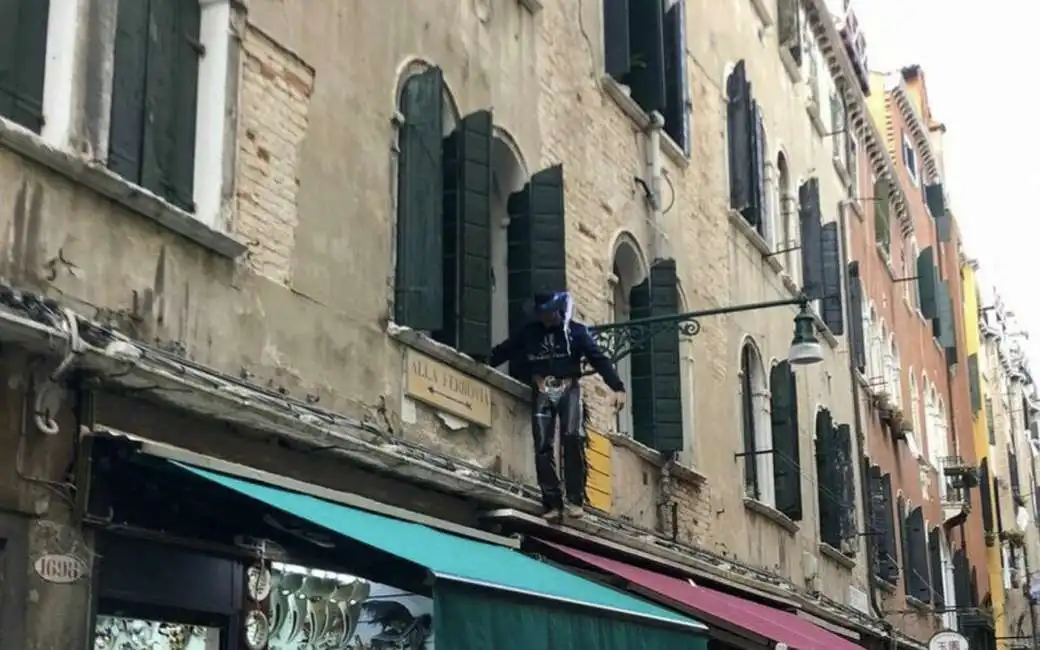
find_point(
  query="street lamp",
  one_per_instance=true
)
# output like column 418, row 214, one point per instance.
column 619, row 340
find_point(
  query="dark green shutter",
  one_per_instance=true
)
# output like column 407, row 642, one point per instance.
column 754, row 213
column 856, row 335
column 23, row 57
column 927, row 283
column 991, row 430
column 832, row 304
column 985, row 496
column 789, row 28
column 938, row 591
column 418, row 288
column 129, row 74
column 828, row 484
column 1016, row 484
column 738, row 129
column 676, row 114
column 617, row 54
column 997, row 510
column 937, row 206
column 943, row 325
column 846, row 472
column 656, row 371
column 973, row 383
column 882, row 528
column 749, row 423
column 882, row 208
column 787, row 474
column 917, row 537
column 904, row 545
column 811, row 238
column 646, row 40
column 962, row 579
column 171, row 91
column 467, row 236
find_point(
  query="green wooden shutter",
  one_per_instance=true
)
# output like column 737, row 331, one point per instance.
column 938, row 591
column 857, row 337
column 917, row 538
column 738, row 130
column 943, row 326
column 755, row 213
column 904, row 545
column 1016, row 485
column 418, row 287
column 846, row 473
column 129, row 75
column 882, row 208
column 985, row 496
column 927, row 283
column 467, row 236
column 749, row 423
column 646, row 40
column 171, row 89
column 991, row 430
column 656, row 371
column 677, row 112
column 617, row 54
column 811, row 238
column 886, row 566
column 973, row 383
column 962, row 579
column 789, row 28
column 830, row 256
column 936, row 202
column 537, row 258
column 827, row 480
column 23, row 57
column 787, row 474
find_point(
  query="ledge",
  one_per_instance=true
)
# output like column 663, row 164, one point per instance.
column 621, row 95
column 654, row 457
column 533, row 6
column 884, row 585
column 839, row 168
column 771, row 513
column 857, row 208
column 792, row 68
column 461, row 362
column 919, row 605
column 756, row 240
column 813, row 110
column 825, row 331
column 763, row 12
column 836, row 556
column 97, row 177
column 674, row 152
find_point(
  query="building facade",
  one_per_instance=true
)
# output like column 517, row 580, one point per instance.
column 274, row 246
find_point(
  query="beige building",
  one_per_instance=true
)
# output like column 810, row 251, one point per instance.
column 1012, row 408
column 286, row 238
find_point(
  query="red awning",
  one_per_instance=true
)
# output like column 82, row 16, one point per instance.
column 720, row 609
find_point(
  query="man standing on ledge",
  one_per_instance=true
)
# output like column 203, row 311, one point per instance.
column 551, row 348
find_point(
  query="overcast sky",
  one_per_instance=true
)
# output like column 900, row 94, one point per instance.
column 979, row 61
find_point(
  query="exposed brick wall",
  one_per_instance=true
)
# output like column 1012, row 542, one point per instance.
column 276, row 87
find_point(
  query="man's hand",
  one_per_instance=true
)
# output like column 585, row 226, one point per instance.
column 619, row 400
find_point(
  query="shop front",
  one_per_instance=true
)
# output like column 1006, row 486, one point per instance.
column 206, row 555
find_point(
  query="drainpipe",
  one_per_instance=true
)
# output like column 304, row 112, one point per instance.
column 653, row 184
column 861, row 443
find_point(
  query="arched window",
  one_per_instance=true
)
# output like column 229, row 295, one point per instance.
column 875, row 360
column 894, row 382
column 755, row 426
column 915, row 407
column 788, row 203
column 629, row 271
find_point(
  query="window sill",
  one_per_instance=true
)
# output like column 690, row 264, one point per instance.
column 884, row 585
column 843, row 173
column 822, row 328
column 857, row 208
column 836, row 556
column 654, row 457
column 762, row 11
column 794, row 71
column 98, row 178
column 461, row 362
column 675, row 152
column 533, row 6
column 919, row 605
column 771, row 513
column 622, row 97
column 813, row 110
column 886, row 258
column 756, row 239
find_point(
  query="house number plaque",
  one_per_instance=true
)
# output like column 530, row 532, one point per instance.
column 59, row 569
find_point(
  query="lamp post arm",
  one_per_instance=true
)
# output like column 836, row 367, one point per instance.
column 618, row 340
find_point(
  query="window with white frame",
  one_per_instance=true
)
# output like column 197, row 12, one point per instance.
column 915, row 406
column 876, row 360
column 910, row 160
column 894, row 371
column 913, row 294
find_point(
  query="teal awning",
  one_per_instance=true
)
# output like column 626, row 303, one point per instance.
column 451, row 557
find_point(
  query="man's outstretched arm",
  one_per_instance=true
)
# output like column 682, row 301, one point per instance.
column 505, row 351
column 599, row 361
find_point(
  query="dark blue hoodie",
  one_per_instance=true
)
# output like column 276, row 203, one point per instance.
column 545, row 351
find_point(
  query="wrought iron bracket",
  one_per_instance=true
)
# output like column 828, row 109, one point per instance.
column 781, row 252
column 757, row 452
column 619, row 340
column 907, row 279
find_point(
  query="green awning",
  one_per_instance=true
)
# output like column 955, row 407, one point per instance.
column 454, row 558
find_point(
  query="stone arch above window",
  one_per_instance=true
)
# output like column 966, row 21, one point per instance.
column 629, row 269
column 409, row 73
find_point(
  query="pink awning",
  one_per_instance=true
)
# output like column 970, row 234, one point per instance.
column 718, row 608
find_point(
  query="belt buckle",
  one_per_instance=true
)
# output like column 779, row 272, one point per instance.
column 554, row 388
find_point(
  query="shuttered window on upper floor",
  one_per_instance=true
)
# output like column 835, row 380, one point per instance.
column 986, row 498
column 23, row 56
column 935, row 201
column 882, row 527
column 974, row 384
column 936, row 572
column 857, row 335
column 916, row 564
column 882, row 215
column 746, row 146
column 789, row 29
column 835, row 483
column 645, row 50
column 787, row 466
column 657, row 413
column 821, row 258
column 444, row 282
column 154, row 97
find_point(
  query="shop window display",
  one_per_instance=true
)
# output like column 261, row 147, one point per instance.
column 121, row 633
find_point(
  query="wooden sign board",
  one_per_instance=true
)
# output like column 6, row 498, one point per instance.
column 447, row 389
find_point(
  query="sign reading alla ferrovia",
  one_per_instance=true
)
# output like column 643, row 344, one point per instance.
column 447, row 389
column 60, row 568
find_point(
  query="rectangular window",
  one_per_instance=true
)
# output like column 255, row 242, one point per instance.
column 910, row 160
column 23, row 56
column 154, row 97
column 645, row 50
